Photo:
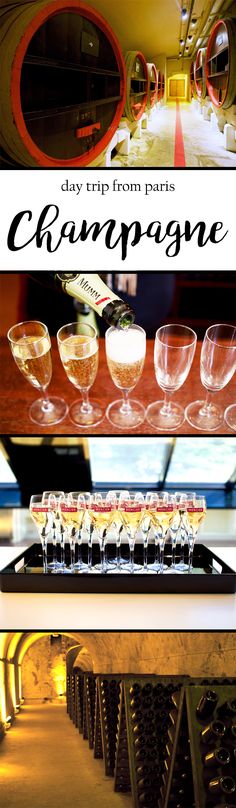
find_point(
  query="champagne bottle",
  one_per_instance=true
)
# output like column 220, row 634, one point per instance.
column 91, row 290
column 206, row 705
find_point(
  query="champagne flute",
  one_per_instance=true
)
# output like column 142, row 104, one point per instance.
column 217, row 366
column 132, row 509
column 41, row 516
column 117, row 495
column 52, row 500
column 101, row 510
column 181, row 500
column 78, row 348
column 155, row 502
column 174, row 350
column 31, row 349
column 164, row 517
column 125, row 352
column 196, row 513
column 72, row 509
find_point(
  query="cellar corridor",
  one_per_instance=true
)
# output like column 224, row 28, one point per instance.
column 177, row 136
column 62, row 771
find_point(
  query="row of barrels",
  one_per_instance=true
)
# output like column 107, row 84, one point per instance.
column 213, row 72
column 64, row 83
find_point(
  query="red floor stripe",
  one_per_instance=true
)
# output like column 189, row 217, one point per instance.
column 179, row 159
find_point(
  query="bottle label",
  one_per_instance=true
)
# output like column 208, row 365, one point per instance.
column 90, row 289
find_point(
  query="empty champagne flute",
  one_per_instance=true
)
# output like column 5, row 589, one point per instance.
column 196, row 512
column 132, row 511
column 52, row 501
column 31, row 349
column 41, row 516
column 217, row 366
column 174, row 350
column 101, row 510
column 125, row 352
column 78, row 348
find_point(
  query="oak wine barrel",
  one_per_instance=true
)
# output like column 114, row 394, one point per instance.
column 62, row 83
column 137, row 85
column 200, row 73
column 152, row 85
column 161, row 86
column 221, row 63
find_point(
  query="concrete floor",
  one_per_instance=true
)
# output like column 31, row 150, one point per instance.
column 203, row 146
column 44, row 763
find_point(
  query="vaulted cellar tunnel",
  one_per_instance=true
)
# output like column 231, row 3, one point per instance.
column 121, row 83
column 76, row 706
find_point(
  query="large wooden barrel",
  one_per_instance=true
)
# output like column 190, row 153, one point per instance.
column 152, row 85
column 221, row 63
column 161, row 86
column 62, row 83
column 200, row 73
column 137, row 85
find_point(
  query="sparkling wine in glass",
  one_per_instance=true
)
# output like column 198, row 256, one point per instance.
column 182, row 526
column 125, row 352
column 157, row 506
column 174, row 351
column 31, row 348
column 42, row 518
column 52, row 500
column 132, row 511
column 78, row 348
column 196, row 513
column 217, row 366
column 72, row 508
column 101, row 511
column 117, row 496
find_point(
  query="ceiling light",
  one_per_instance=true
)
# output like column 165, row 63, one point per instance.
column 181, row 42
column 194, row 21
column 186, row 49
column 190, row 38
column 184, row 13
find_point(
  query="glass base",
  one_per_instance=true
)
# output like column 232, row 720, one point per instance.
column 155, row 567
column 125, row 418
column 230, row 416
column 165, row 418
column 55, row 411
column 86, row 418
column 201, row 417
column 181, row 566
column 131, row 567
column 105, row 567
column 80, row 567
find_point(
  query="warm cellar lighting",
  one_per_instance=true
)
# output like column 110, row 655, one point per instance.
column 190, row 38
column 184, row 13
column 181, row 42
column 8, row 722
column 194, row 22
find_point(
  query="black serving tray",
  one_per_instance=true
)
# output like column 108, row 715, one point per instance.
column 210, row 575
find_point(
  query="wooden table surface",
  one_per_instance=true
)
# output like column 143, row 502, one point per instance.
column 17, row 395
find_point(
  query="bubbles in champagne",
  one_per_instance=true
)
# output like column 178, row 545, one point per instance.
column 125, row 351
column 79, row 356
column 33, row 358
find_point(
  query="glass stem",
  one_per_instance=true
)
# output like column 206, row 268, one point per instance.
column 190, row 551
column 90, row 541
column 125, row 407
column 79, row 548
column 46, row 405
column 207, row 404
column 161, row 546
column 54, row 542
column 85, row 406
column 72, row 554
column 44, row 548
column 157, row 554
column 62, row 543
column 166, row 407
column 145, row 552
column 102, row 551
column 118, row 547
column 131, row 548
